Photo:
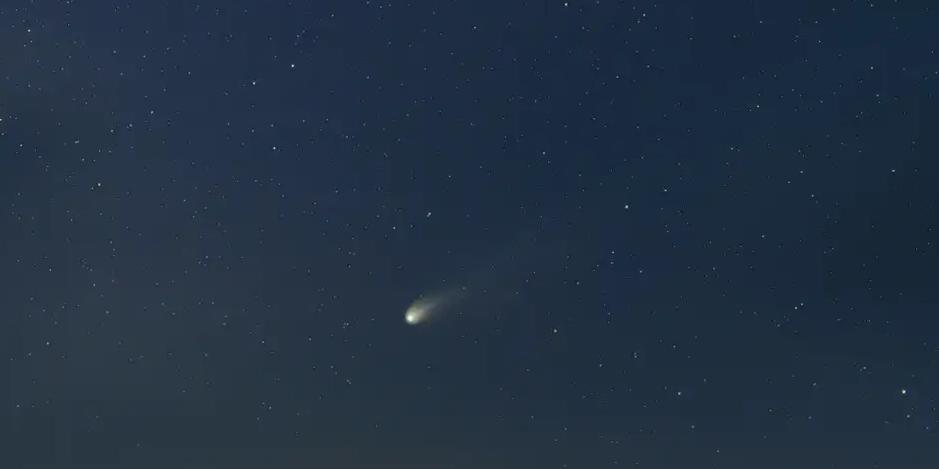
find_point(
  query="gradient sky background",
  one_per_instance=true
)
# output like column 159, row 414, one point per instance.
column 690, row 234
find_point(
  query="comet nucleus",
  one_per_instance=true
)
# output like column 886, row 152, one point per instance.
column 415, row 314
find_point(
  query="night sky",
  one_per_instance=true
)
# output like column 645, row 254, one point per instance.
column 644, row 234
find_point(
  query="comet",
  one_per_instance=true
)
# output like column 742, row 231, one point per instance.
column 426, row 307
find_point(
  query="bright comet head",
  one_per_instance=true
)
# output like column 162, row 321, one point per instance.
column 420, row 310
column 415, row 314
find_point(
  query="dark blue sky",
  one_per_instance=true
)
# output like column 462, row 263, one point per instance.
column 683, row 233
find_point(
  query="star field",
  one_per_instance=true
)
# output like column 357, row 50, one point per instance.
column 644, row 234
